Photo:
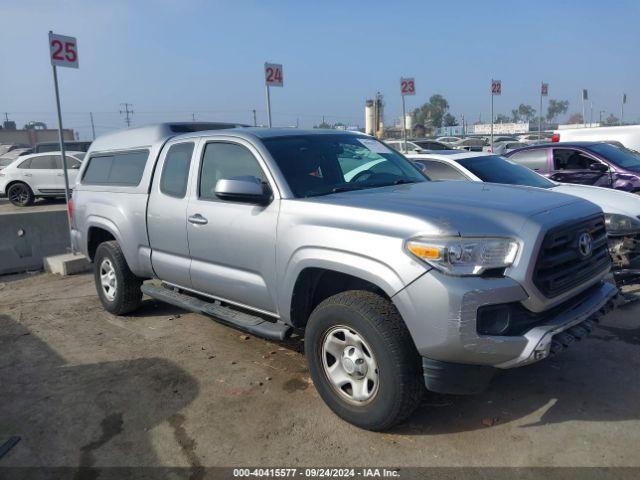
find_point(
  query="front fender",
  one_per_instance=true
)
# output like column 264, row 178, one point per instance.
column 366, row 268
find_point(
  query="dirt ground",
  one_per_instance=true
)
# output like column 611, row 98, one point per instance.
column 165, row 387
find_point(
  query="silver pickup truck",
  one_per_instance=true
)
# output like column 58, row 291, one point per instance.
column 399, row 283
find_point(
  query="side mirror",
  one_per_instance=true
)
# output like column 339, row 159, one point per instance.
column 599, row 167
column 245, row 189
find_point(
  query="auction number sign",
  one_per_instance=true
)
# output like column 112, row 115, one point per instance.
column 273, row 74
column 544, row 89
column 64, row 50
column 496, row 87
column 407, row 86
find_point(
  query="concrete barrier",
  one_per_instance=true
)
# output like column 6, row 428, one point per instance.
column 27, row 237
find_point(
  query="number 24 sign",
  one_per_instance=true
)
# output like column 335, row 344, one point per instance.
column 64, row 50
column 273, row 74
column 407, row 86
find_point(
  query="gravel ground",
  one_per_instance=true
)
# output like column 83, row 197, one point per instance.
column 165, row 387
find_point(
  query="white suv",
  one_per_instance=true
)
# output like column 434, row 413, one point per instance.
column 38, row 175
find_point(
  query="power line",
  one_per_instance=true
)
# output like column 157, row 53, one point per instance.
column 127, row 113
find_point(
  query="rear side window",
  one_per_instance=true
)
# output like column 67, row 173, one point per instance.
column 118, row 169
column 441, row 171
column 175, row 172
column 44, row 162
column 533, row 159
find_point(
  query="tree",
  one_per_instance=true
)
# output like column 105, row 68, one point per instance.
column 555, row 108
column 323, row 125
column 576, row 118
column 525, row 112
column 501, row 118
column 433, row 112
column 612, row 120
column 449, row 120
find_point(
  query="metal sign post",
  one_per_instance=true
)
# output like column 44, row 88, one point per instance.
column 544, row 91
column 496, row 89
column 585, row 97
column 273, row 77
column 64, row 53
column 407, row 87
column 624, row 100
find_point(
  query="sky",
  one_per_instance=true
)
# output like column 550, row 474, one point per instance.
column 184, row 59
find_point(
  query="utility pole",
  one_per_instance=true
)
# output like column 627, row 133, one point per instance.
column 464, row 127
column 127, row 113
column 6, row 115
column 600, row 116
column 93, row 128
column 591, row 115
column 193, row 117
column 255, row 120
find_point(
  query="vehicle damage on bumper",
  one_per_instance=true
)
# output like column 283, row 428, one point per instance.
column 625, row 255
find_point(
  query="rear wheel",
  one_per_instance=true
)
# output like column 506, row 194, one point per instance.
column 118, row 288
column 20, row 194
column 363, row 361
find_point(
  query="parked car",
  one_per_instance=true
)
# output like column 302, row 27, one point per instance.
column 628, row 135
column 533, row 138
column 500, row 148
column 75, row 146
column 8, row 157
column 471, row 144
column 38, row 175
column 398, row 282
column 417, row 145
column 621, row 209
column 449, row 140
column 588, row 163
column 503, row 138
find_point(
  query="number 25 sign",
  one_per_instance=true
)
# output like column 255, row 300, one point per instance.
column 273, row 74
column 407, row 86
column 64, row 50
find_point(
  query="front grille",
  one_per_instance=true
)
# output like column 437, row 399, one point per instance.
column 561, row 266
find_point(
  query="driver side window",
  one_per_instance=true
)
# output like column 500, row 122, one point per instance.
column 567, row 159
column 226, row 160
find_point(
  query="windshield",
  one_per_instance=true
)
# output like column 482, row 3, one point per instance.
column 324, row 164
column 497, row 169
column 622, row 157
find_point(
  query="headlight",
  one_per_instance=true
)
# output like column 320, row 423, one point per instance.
column 616, row 223
column 464, row 255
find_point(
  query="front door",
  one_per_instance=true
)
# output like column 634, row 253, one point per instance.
column 574, row 166
column 232, row 244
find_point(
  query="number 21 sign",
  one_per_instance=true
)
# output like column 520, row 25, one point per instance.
column 273, row 74
column 64, row 50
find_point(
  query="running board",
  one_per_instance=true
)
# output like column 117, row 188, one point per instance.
column 240, row 320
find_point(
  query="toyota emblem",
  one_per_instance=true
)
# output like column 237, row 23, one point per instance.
column 585, row 244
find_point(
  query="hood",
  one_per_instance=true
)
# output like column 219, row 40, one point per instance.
column 608, row 199
column 456, row 207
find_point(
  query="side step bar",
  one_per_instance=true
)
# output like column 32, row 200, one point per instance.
column 240, row 320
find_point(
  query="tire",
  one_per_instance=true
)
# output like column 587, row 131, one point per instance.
column 120, row 294
column 394, row 389
column 20, row 194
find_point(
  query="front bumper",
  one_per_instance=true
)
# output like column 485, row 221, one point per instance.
column 440, row 312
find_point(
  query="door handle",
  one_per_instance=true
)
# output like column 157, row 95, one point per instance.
column 28, row 175
column 197, row 219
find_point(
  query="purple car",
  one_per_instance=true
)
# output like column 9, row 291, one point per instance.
column 600, row 164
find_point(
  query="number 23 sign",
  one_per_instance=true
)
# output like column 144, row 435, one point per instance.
column 273, row 74
column 407, row 86
column 64, row 50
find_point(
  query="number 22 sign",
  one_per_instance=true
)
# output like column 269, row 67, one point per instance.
column 64, row 50
column 273, row 74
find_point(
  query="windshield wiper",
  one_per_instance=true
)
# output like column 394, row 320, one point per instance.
column 403, row 181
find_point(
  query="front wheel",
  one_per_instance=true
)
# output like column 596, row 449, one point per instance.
column 362, row 360
column 118, row 288
column 20, row 194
